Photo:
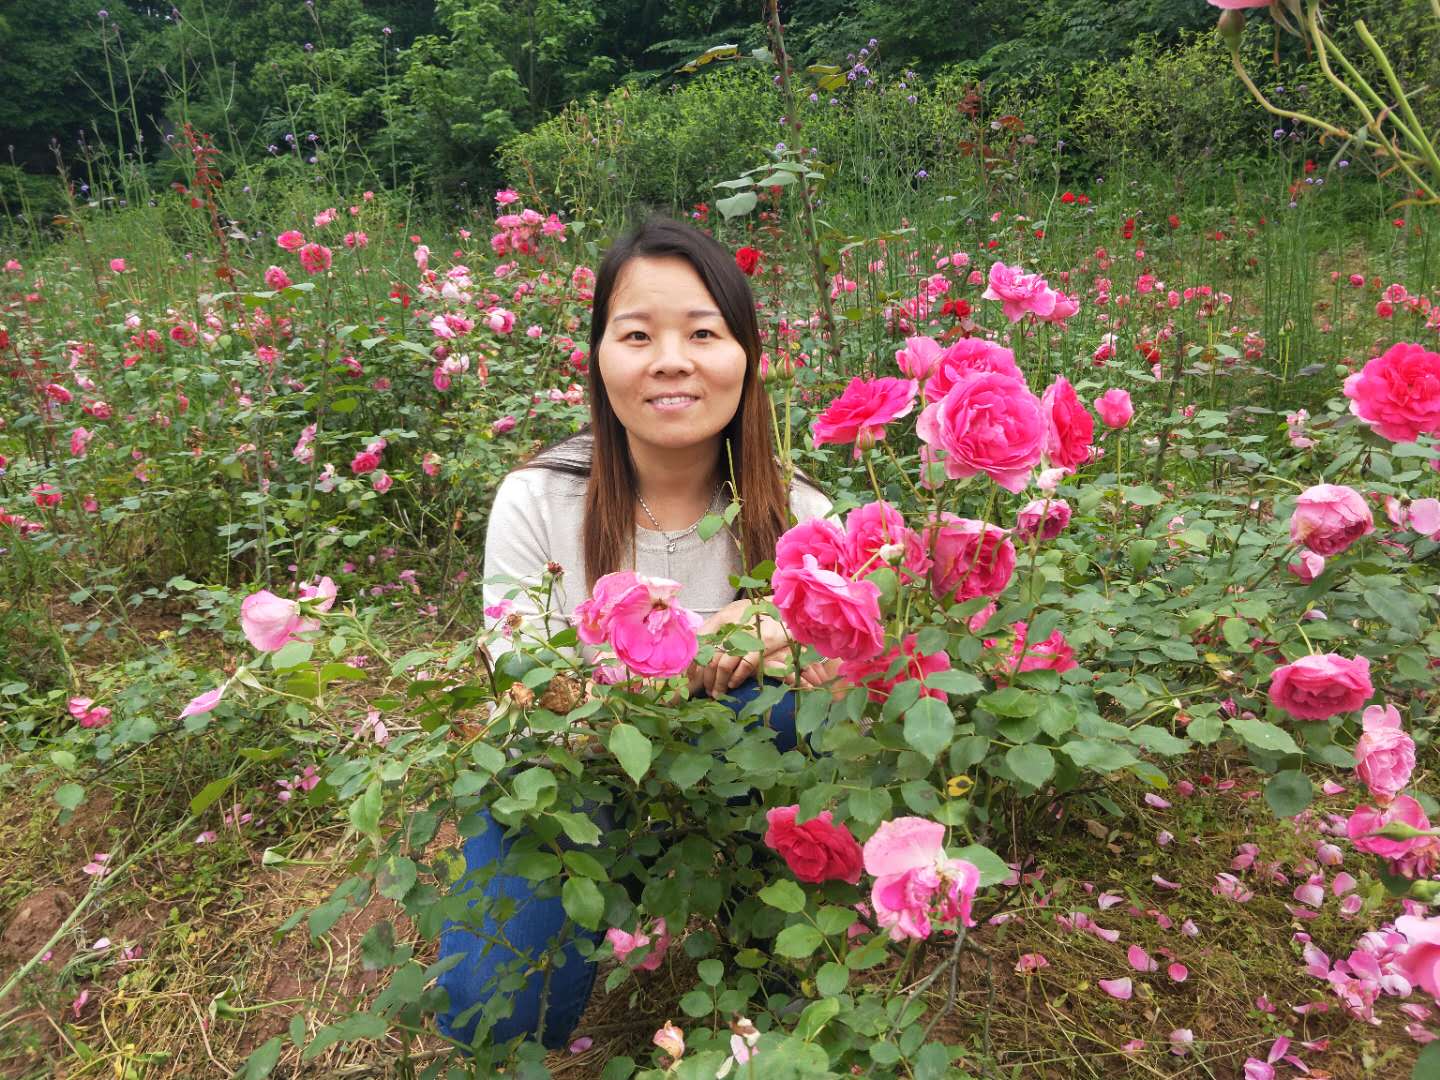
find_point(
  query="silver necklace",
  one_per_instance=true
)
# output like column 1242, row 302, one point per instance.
column 671, row 539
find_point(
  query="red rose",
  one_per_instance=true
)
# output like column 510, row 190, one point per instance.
column 748, row 259
column 816, row 851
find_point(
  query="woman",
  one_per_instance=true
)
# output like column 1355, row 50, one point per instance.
column 680, row 425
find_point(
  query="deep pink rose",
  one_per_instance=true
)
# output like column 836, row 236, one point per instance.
column 276, row 278
column 269, row 621
column 1384, row 754
column 1320, row 686
column 291, row 240
column 919, row 358
column 969, row 356
column 820, row 537
column 1069, row 428
column 593, row 615
column 1421, row 959
column 839, row 617
column 651, row 633
column 987, row 423
column 1328, row 518
column 1020, row 293
column 816, row 851
column 1045, row 518
column 875, row 674
column 1052, row 654
column 315, row 258
column 1398, row 393
column 364, row 462
column 870, row 530
column 860, row 414
column 1115, row 408
column 971, row 558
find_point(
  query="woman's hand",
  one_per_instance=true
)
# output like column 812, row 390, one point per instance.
column 726, row 671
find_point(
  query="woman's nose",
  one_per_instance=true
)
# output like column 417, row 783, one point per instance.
column 672, row 355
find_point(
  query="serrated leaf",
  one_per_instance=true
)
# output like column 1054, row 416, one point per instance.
column 1012, row 701
column 1264, row 735
column 1031, row 763
column 798, row 941
column 929, row 727
column 1289, row 792
column 583, row 901
column 954, row 681
column 632, row 750
column 785, row 895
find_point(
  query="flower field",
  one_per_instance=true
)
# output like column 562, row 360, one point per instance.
column 1132, row 579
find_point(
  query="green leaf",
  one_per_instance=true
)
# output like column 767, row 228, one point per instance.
column 835, row 920
column 785, row 895
column 954, row 681
column 1101, row 755
column 1158, row 740
column 1012, row 701
column 740, row 203
column 688, row 769
column 992, row 868
column 929, row 727
column 1205, row 729
column 207, row 795
column 292, row 654
column 583, row 901
column 632, row 750
column 1427, row 1065
column 1289, row 792
column 468, row 782
column 578, row 827
column 263, row 1061
column 365, row 811
column 816, row 1015
column 1141, row 552
column 1031, row 763
column 709, row 525
column 1264, row 735
column 396, row 877
column 1395, row 608
column 1237, row 634
column 832, row 978
column 69, row 796
column 536, row 865
column 1143, row 495
column 798, row 941
column 869, row 805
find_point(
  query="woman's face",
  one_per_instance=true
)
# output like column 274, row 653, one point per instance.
column 672, row 369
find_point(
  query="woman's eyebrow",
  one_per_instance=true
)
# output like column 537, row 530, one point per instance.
column 643, row 316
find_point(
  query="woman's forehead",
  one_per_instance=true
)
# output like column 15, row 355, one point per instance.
column 664, row 284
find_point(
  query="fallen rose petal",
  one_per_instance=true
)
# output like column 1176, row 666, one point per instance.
column 580, row 1045
column 1106, row 900
column 1263, row 1004
column 1189, row 929
column 1419, row 1032
column 1163, row 838
column 1120, row 989
column 1158, row 880
column 1342, row 884
column 1311, row 894
column 1134, row 1046
column 1178, row 972
column 1181, row 1039
column 1030, row 963
column 1151, row 799
column 1331, row 787
column 1140, row 960
column 1255, row 1069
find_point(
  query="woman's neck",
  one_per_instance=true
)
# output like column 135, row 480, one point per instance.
column 676, row 484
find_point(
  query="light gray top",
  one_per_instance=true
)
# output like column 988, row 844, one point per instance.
column 537, row 518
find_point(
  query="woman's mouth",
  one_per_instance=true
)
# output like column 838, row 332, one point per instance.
column 673, row 402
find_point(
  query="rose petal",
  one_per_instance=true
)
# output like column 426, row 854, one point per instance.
column 1120, row 989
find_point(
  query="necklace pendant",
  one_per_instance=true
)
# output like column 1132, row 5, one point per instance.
column 670, row 547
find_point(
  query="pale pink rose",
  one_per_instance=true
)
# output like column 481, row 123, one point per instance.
column 1069, row 429
column 323, row 590
column 1423, row 516
column 624, row 944
column 839, row 617
column 967, row 357
column 914, row 879
column 859, row 415
column 1181, row 1040
column 500, row 320
column 315, row 258
column 816, row 851
column 269, row 621
column 1420, row 962
column 291, row 240
column 869, row 531
column 1320, row 686
column 1019, row 293
column 875, row 675
column 919, row 358
column 1308, row 567
column 203, row 703
column 1114, row 408
column 1398, row 393
column 1328, row 518
column 1384, row 754
column 988, row 423
column 382, row 482
column 1045, row 518
column 819, row 537
column 971, row 558
column 276, row 278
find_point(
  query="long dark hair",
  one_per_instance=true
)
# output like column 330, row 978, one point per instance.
column 746, row 442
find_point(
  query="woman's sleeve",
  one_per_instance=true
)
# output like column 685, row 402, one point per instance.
column 517, row 548
column 807, row 502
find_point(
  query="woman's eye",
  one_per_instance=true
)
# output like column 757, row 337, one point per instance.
column 632, row 335
column 703, row 330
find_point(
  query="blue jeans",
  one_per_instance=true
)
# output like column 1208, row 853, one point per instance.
column 533, row 930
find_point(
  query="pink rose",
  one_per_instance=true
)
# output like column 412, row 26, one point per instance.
column 869, row 531
column 1366, row 821
column 1320, row 686
column 291, row 240
column 1114, row 408
column 914, row 879
column 1423, row 515
column 500, row 320
column 323, row 591
column 276, row 278
column 1384, row 754
column 203, row 703
column 650, row 632
column 1045, row 518
column 860, row 414
column 269, row 621
column 819, row 537
column 1398, row 393
column 967, row 357
column 1308, row 567
column 1328, row 518
column 971, row 558
column 839, row 617
column 364, row 462
column 1052, row 654
column 315, row 258
column 504, row 425
column 624, row 944
column 1069, row 429
column 987, row 423
column 880, row 675
column 1421, row 960
column 1020, row 293
column 816, row 851
column 382, row 482
column 919, row 358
